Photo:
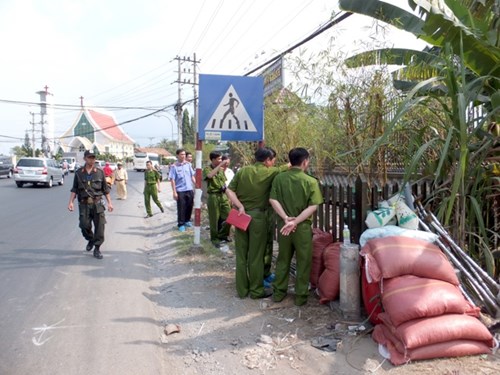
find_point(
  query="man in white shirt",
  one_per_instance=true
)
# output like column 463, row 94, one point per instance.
column 227, row 170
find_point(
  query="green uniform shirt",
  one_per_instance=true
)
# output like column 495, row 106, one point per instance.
column 296, row 191
column 151, row 177
column 217, row 182
column 253, row 183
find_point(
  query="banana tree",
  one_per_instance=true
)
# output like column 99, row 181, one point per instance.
column 462, row 74
column 471, row 24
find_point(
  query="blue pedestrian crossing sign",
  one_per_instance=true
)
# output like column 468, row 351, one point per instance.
column 231, row 108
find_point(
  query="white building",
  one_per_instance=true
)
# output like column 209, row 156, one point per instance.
column 99, row 131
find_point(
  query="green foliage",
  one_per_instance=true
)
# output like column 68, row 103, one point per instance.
column 188, row 128
column 460, row 95
column 452, row 22
column 106, row 156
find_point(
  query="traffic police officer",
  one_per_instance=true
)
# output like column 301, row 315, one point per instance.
column 249, row 193
column 295, row 196
column 89, row 185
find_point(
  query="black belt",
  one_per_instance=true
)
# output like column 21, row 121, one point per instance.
column 90, row 200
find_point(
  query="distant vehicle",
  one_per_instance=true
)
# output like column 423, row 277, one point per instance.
column 100, row 163
column 140, row 159
column 113, row 166
column 38, row 171
column 71, row 162
column 6, row 166
column 65, row 167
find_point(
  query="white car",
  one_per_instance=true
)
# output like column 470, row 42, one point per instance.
column 38, row 171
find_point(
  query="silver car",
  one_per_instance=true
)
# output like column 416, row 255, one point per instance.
column 38, row 171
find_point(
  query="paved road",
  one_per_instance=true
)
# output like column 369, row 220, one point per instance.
column 63, row 311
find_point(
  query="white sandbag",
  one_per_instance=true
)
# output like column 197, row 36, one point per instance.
column 380, row 217
column 392, row 230
column 406, row 217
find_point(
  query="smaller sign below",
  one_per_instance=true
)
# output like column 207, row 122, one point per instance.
column 213, row 136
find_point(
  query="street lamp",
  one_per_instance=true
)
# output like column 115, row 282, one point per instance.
column 170, row 121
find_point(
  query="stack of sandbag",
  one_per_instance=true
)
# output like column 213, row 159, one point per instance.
column 325, row 267
column 425, row 315
column 329, row 280
column 320, row 241
column 371, row 291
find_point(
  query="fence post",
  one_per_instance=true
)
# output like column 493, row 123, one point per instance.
column 362, row 206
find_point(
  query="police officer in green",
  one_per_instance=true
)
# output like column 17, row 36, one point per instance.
column 152, row 179
column 295, row 196
column 89, row 185
column 249, row 193
column 217, row 202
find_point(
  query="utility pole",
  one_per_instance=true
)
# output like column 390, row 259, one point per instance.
column 47, row 142
column 32, row 133
column 181, row 81
column 178, row 106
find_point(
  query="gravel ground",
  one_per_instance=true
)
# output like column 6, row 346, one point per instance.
column 206, row 329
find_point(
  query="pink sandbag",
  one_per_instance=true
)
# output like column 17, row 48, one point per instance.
column 329, row 281
column 394, row 256
column 371, row 297
column 320, row 241
column 454, row 348
column 410, row 297
column 425, row 331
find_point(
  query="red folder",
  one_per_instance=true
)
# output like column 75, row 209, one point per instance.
column 240, row 222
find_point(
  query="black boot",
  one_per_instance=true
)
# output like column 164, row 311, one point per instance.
column 97, row 253
column 90, row 245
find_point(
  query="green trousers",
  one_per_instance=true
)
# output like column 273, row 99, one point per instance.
column 300, row 244
column 268, row 254
column 151, row 191
column 250, row 247
column 218, row 210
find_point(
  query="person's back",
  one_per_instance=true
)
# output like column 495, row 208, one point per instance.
column 253, row 185
column 297, row 184
column 294, row 196
column 249, row 193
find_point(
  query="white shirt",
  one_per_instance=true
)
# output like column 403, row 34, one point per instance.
column 229, row 175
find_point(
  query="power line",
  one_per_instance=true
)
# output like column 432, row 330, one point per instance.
column 303, row 41
column 71, row 106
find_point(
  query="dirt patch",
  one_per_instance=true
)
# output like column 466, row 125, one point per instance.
column 220, row 333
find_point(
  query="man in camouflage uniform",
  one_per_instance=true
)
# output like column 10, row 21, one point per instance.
column 89, row 185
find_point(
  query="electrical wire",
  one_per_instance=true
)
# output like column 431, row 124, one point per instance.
column 192, row 26
column 305, row 40
column 204, row 32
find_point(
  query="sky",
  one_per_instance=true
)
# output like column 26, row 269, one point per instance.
column 120, row 54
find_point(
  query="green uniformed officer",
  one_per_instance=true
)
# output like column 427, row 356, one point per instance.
column 249, row 193
column 89, row 185
column 152, row 179
column 295, row 196
column 217, row 202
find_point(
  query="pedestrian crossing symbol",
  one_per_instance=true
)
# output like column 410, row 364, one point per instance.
column 231, row 108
